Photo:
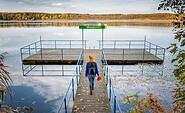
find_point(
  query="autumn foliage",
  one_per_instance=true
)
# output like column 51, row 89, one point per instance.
column 149, row 104
column 73, row 16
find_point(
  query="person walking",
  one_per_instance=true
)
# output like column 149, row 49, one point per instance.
column 91, row 72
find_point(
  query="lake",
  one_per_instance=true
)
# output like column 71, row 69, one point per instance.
column 45, row 93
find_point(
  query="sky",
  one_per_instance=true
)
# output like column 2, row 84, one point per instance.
column 81, row 6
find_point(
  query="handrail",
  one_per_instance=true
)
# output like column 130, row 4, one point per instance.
column 112, row 96
column 65, row 100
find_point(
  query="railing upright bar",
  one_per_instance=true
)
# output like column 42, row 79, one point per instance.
column 99, row 44
column 156, row 51
column 70, row 44
column 55, row 44
column 73, row 89
column 35, row 47
column 77, row 76
column 62, row 55
column 85, row 44
column 123, row 59
column 149, row 47
column 114, row 44
column 65, row 105
column 129, row 44
column 29, row 50
column 114, row 104
column 110, row 84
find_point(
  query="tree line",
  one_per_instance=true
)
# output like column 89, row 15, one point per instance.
column 73, row 16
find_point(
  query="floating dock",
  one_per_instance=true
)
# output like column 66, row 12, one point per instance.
column 70, row 57
column 53, row 52
column 53, row 57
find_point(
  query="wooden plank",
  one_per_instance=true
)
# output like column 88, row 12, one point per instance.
column 98, row 102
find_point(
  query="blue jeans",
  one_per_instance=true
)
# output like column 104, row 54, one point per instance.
column 91, row 81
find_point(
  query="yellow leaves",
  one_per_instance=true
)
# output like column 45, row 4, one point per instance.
column 149, row 104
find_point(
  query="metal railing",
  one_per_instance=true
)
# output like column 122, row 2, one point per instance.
column 112, row 95
column 50, row 44
column 42, row 69
column 38, row 49
column 70, row 93
column 134, row 44
column 146, row 49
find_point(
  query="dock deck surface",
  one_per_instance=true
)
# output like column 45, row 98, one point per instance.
column 130, row 56
column 98, row 102
column 53, row 56
column 70, row 57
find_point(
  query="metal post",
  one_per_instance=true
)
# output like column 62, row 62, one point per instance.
column 41, row 47
column 150, row 47
column 21, row 53
column 83, row 39
column 55, row 44
column 29, row 50
column 70, row 43
column 35, row 47
column 62, row 53
column 85, row 44
column 114, row 44
column 156, row 51
column 102, row 39
column 99, row 44
column 107, row 70
column 129, row 44
column 107, row 76
column 123, row 60
column 143, row 54
column 110, row 89
column 163, row 62
column 77, row 76
column 73, row 89
column 23, row 69
column 145, row 42
column 41, row 55
column 114, row 104
column 65, row 105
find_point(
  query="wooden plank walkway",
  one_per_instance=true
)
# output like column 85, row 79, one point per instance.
column 98, row 102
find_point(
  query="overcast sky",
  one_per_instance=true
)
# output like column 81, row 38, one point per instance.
column 80, row 6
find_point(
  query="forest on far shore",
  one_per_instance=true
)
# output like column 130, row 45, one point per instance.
column 73, row 16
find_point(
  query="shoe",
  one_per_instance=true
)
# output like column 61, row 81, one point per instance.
column 90, row 92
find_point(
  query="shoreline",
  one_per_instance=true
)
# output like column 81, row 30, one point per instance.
column 68, row 21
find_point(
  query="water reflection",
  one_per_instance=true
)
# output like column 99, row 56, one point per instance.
column 51, row 89
column 70, row 24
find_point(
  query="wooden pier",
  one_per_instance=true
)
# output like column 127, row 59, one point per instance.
column 70, row 57
column 98, row 102
column 130, row 57
column 53, row 57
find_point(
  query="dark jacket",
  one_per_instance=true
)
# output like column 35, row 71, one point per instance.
column 87, row 69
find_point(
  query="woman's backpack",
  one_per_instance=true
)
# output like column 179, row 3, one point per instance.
column 91, row 68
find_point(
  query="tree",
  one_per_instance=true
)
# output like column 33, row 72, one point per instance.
column 5, row 80
column 178, row 49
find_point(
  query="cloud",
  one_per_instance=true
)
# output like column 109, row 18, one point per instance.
column 80, row 6
column 57, row 4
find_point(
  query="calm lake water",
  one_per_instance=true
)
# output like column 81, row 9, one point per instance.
column 45, row 93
